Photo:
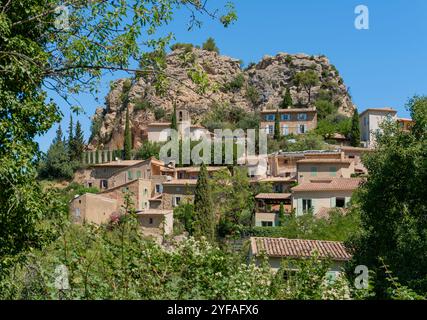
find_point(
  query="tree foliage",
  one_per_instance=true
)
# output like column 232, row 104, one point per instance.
column 127, row 147
column 393, row 206
column 355, row 129
column 210, row 45
column 204, row 217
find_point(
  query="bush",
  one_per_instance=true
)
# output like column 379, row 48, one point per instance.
column 159, row 113
column 210, row 45
column 142, row 105
column 236, row 84
column 188, row 47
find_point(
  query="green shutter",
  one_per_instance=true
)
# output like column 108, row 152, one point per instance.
column 138, row 174
column 130, row 175
column 347, row 201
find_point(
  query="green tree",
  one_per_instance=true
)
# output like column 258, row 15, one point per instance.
column 57, row 164
column 204, row 217
column 37, row 48
column 148, row 149
column 287, row 100
column 78, row 144
column 210, row 45
column 393, row 207
column 128, row 138
column 306, row 80
column 174, row 124
column 277, row 134
column 355, row 129
column 281, row 214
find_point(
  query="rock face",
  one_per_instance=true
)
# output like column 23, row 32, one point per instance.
column 257, row 87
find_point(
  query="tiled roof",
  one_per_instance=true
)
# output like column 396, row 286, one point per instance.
column 273, row 196
column 290, row 110
column 297, row 248
column 316, row 160
column 334, row 184
column 348, row 148
column 179, row 182
column 120, row 163
column 154, row 212
column 277, row 179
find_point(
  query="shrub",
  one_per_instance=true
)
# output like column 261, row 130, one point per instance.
column 210, row 45
column 236, row 84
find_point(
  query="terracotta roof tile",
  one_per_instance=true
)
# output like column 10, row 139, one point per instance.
column 323, row 160
column 297, row 248
column 348, row 184
column 273, row 196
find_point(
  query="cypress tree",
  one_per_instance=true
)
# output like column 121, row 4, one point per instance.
column 174, row 124
column 204, row 217
column 70, row 141
column 287, row 100
column 59, row 136
column 78, row 143
column 277, row 126
column 128, row 138
column 355, row 130
column 281, row 214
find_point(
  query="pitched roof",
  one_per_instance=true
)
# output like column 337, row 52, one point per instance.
column 277, row 179
column 347, row 184
column 323, row 160
column 290, row 110
column 273, row 196
column 179, row 182
column 119, row 163
column 297, row 248
column 386, row 109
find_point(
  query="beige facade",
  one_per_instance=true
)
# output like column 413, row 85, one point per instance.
column 176, row 192
column 319, row 200
column 147, row 169
column 156, row 222
column 320, row 193
column 292, row 121
column 92, row 208
column 97, row 175
column 324, row 168
column 370, row 121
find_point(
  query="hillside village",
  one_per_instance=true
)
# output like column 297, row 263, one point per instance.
column 313, row 182
column 202, row 176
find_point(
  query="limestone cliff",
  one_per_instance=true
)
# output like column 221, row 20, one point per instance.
column 260, row 85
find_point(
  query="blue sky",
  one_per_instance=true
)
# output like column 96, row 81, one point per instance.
column 383, row 66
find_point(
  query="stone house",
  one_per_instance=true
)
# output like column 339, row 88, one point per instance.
column 370, row 121
column 324, row 168
column 97, row 175
column 318, row 193
column 177, row 191
column 267, row 208
column 92, row 208
column 292, row 121
column 278, row 249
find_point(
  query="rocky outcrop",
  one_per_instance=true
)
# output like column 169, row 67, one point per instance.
column 219, row 80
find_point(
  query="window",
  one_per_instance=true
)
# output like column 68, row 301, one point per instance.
column 176, row 201
column 285, row 130
column 314, row 171
column 138, row 174
column 77, row 213
column 90, row 184
column 267, row 223
column 333, row 171
column 286, row 117
column 365, row 121
column 302, row 128
column 159, row 188
column 150, row 221
column 270, row 129
column 104, row 184
column 340, row 202
column 145, row 191
column 270, row 117
column 306, row 205
column 302, row 116
column 130, row 175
